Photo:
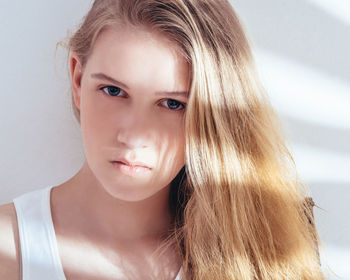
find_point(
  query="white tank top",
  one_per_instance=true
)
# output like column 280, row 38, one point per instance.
column 39, row 251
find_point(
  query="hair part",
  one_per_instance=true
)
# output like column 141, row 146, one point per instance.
column 238, row 202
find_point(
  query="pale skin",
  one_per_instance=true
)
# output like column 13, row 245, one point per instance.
column 108, row 223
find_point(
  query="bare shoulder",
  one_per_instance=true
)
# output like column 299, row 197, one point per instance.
column 9, row 243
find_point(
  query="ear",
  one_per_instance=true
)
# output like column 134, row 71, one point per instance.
column 76, row 75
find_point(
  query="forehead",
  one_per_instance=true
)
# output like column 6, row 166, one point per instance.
column 139, row 56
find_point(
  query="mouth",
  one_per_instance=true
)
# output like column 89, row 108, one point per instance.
column 132, row 164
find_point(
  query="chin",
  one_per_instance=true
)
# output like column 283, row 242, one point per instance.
column 130, row 193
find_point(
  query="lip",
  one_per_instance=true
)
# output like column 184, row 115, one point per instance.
column 132, row 164
column 135, row 170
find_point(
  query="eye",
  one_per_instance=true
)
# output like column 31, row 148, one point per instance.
column 173, row 105
column 111, row 90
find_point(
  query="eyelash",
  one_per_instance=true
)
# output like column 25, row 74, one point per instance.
column 109, row 87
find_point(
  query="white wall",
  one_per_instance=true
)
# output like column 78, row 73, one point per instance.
column 302, row 53
column 40, row 139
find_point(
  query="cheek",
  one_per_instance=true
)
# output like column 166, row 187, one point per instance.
column 179, row 143
column 93, row 122
column 170, row 140
column 172, row 150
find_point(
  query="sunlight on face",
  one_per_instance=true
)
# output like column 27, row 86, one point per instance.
column 126, row 113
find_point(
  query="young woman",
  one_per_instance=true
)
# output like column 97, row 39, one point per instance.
column 186, row 176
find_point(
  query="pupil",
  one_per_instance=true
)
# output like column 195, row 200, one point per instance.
column 113, row 90
column 172, row 103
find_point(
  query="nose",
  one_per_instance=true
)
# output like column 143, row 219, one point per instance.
column 135, row 129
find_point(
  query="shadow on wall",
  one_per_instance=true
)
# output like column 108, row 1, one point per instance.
column 320, row 136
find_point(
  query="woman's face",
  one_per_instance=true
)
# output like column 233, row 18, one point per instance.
column 130, row 111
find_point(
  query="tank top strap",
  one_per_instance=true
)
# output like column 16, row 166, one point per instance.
column 39, row 252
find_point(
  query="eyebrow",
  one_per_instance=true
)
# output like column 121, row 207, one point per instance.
column 102, row 76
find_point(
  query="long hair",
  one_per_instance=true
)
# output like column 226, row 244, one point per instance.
column 238, row 201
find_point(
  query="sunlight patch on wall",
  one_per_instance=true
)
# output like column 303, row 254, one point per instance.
column 338, row 8
column 336, row 260
column 304, row 93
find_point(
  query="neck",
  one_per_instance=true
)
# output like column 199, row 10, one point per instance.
column 111, row 217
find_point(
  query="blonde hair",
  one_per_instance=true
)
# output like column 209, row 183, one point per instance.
column 238, row 204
